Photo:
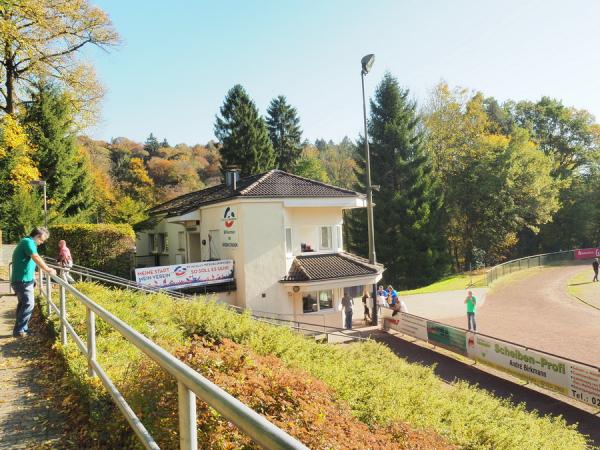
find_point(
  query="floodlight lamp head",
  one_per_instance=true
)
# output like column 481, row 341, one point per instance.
column 367, row 62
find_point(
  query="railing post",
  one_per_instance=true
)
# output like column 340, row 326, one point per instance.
column 48, row 293
column 63, row 316
column 91, row 341
column 188, row 439
column 40, row 280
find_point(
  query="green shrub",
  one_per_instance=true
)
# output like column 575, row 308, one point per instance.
column 379, row 387
column 105, row 247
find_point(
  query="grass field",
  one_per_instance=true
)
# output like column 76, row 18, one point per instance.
column 451, row 283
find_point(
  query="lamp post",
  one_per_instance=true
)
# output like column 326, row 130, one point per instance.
column 367, row 62
column 43, row 184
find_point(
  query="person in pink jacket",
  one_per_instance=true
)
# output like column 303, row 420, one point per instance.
column 65, row 260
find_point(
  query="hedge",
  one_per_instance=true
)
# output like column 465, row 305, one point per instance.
column 380, row 389
column 105, row 247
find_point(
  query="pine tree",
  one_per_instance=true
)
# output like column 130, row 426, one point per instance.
column 243, row 135
column 48, row 121
column 408, row 233
column 284, row 130
column 152, row 146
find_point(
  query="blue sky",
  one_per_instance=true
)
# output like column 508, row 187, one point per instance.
column 178, row 59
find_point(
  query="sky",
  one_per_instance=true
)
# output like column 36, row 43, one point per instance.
column 178, row 59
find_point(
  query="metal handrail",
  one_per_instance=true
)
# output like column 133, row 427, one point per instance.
column 256, row 314
column 190, row 382
column 492, row 273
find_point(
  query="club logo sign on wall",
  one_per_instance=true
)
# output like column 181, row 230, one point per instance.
column 230, row 234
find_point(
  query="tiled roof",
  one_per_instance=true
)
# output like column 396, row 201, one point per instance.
column 329, row 266
column 272, row 184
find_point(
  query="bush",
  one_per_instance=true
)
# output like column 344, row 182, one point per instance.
column 105, row 247
column 379, row 388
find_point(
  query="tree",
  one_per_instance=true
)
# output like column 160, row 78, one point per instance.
column 17, row 170
column 152, row 146
column 310, row 166
column 495, row 185
column 243, row 135
column 340, row 163
column 284, row 130
column 48, row 120
column 42, row 39
column 408, row 204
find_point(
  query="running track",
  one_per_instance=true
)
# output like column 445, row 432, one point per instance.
column 533, row 308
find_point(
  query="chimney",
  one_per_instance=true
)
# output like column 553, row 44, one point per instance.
column 232, row 175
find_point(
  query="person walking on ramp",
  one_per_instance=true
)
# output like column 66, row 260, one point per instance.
column 471, row 302
column 595, row 267
column 24, row 259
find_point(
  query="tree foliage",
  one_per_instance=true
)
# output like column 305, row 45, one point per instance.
column 283, row 124
column 495, row 185
column 408, row 204
column 42, row 40
column 243, row 135
column 48, row 120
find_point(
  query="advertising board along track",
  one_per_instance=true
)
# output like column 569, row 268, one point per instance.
column 572, row 378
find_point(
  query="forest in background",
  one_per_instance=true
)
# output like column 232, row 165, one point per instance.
column 464, row 180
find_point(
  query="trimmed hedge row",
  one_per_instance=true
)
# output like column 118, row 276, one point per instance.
column 105, row 247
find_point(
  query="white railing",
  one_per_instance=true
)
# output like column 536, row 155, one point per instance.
column 190, row 383
column 527, row 262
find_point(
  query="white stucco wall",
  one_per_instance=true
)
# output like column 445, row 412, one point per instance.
column 262, row 241
column 172, row 230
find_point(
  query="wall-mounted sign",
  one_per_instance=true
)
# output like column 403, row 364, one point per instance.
column 186, row 275
column 230, row 233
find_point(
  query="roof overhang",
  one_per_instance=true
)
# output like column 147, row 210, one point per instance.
column 306, row 286
column 192, row 215
column 340, row 202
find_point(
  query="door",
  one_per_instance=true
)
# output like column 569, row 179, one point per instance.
column 214, row 244
column 194, row 247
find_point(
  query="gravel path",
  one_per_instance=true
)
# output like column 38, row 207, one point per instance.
column 533, row 308
column 27, row 420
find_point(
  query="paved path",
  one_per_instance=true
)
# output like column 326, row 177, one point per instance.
column 27, row 421
column 531, row 308
column 441, row 305
column 6, row 251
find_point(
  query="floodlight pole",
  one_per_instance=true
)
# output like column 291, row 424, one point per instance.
column 370, row 229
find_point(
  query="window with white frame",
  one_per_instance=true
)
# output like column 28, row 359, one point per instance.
column 288, row 241
column 152, row 244
column 181, row 241
column 317, row 301
column 326, row 238
column 338, row 233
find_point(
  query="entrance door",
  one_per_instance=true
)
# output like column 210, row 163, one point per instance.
column 214, row 244
column 194, row 247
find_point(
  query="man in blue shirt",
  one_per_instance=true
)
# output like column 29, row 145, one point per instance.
column 24, row 259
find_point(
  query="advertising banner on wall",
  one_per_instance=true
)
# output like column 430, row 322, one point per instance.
column 447, row 337
column 230, row 229
column 586, row 253
column 585, row 384
column 539, row 368
column 407, row 324
column 186, row 275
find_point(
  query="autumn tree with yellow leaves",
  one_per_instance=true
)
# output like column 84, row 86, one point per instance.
column 42, row 40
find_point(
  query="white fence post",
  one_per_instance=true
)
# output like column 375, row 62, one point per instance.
column 63, row 316
column 91, row 341
column 40, row 280
column 188, row 439
column 48, row 293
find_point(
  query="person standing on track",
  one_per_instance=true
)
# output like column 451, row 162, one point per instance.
column 595, row 267
column 471, row 302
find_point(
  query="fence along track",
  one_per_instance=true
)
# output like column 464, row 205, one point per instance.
column 190, row 383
